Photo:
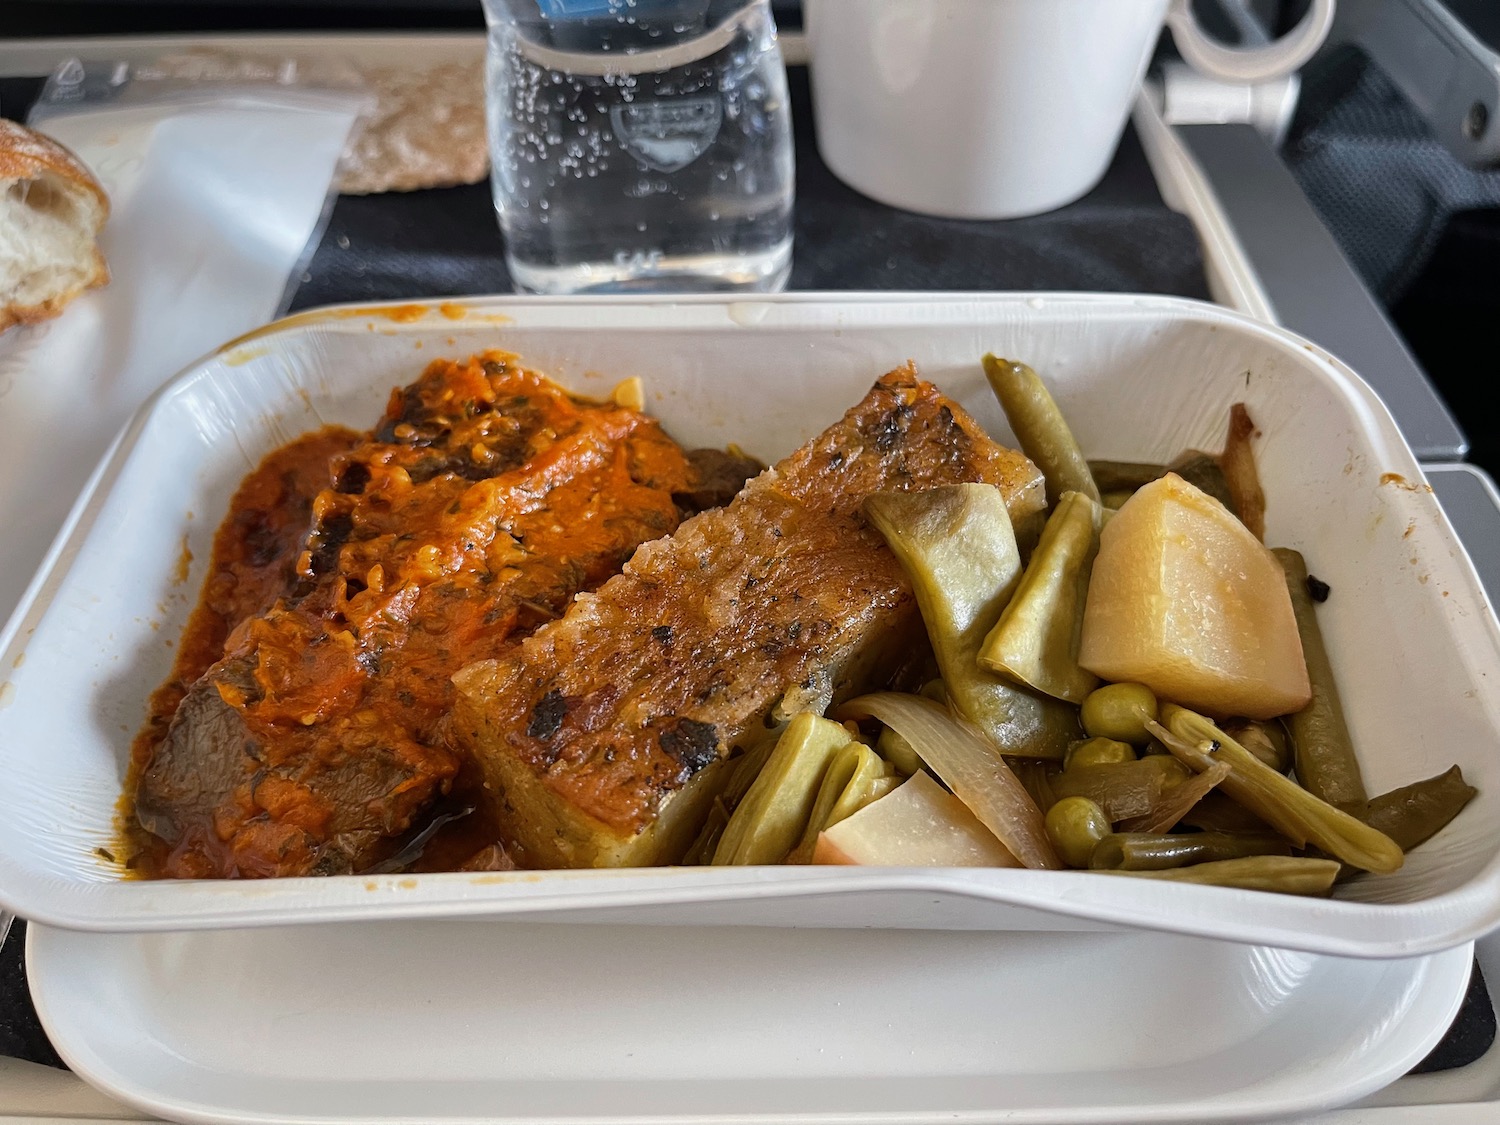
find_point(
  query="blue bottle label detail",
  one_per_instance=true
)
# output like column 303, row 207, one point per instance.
column 667, row 134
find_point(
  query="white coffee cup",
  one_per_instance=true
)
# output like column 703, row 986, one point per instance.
column 994, row 109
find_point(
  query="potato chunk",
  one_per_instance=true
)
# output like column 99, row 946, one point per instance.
column 1185, row 600
column 920, row 824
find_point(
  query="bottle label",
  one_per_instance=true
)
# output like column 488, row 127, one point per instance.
column 667, row 135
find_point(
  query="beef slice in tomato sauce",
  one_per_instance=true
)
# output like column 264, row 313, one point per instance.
column 601, row 734
column 299, row 734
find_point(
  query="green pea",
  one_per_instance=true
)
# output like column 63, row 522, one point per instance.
column 899, row 752
column 1075, row 825
column 1098, row 752
column 1119, row 711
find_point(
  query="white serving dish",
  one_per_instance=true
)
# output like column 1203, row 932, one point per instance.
column 609, row 1026
column 1417, row 648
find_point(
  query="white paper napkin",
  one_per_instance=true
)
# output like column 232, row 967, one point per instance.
column 214, row 200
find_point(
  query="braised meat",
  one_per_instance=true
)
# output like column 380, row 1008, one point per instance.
column 355, row 574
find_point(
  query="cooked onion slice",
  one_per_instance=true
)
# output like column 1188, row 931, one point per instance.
column 969, row 765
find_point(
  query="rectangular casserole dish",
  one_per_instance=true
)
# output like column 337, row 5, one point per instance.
column 1414, row 642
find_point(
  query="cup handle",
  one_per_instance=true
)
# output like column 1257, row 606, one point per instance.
column 1249, row 64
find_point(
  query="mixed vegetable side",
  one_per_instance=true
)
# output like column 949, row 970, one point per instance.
column 1137, row 686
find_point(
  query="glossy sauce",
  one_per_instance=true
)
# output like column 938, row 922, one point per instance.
column 355, row 572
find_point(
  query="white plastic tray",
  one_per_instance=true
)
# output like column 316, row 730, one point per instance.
column 463, row 1021
column 1416, row 646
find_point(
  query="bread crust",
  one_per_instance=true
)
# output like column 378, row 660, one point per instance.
column 28, row 155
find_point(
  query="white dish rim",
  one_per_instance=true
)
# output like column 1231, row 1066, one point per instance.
column 1444, row 996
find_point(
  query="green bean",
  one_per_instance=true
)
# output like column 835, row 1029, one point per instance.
column 1115, row 500
column 1035, row 642
column 1266, row 739
column 770, row 820
column 848, row 785
column 1294, row 812
column 1287, row 874
column 1120, row 480
column 1098, row 752
column 1126, row 851
column 1203, row 472
column 1122, row 790
column 1119, row 711
column 1040, row 428
column 955, row 544
column 1075, row 825
column 1415, row 813
column 1323, row 750
column 1124, row 476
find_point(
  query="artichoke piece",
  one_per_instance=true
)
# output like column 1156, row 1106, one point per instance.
column 956, row 545
column 742, row 773
column 771, row 818
column 1035, row 642
column 851, row 782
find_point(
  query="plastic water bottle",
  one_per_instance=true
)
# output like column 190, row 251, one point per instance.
column 640, row 145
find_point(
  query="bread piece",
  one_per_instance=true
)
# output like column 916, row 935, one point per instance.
column 425, row 131
column 424, row 127
column 51, row 209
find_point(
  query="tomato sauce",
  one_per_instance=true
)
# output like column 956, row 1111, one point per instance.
column 353, row 575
